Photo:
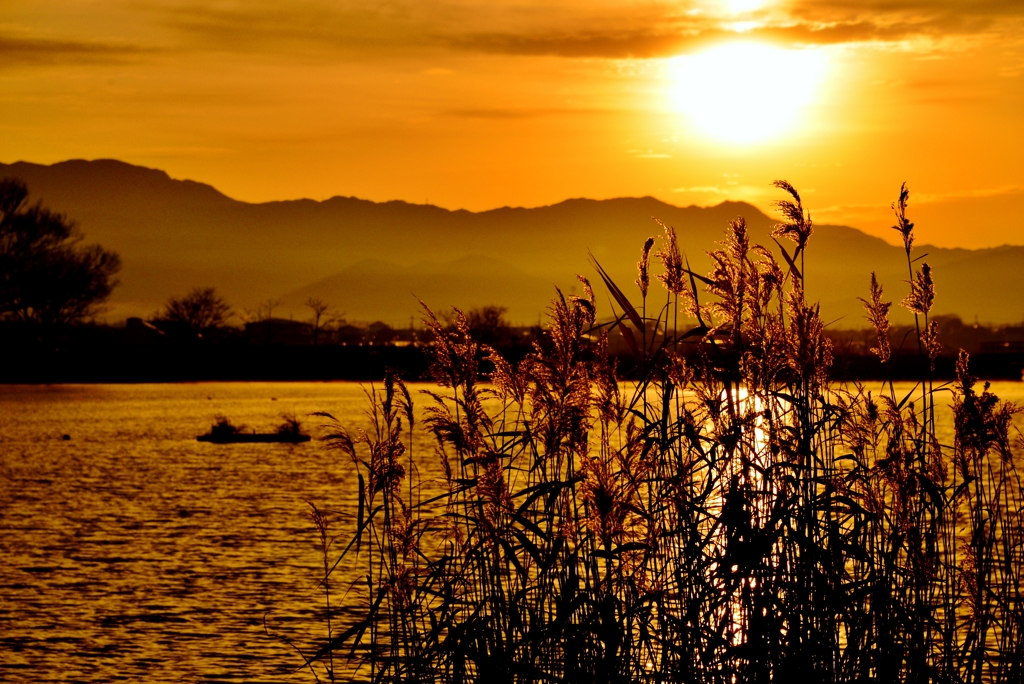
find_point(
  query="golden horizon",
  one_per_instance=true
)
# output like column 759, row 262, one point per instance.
column 481, row 105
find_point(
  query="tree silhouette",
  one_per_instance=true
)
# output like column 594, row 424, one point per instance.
column 46, row 276
column 265, row 314
column 265, row 310
column 319, row 308
column 487, row 324
column 201, row 310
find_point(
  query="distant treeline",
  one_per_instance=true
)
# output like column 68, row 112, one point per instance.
column 954, row 335
column 162, row 350
column 168, row 350
column 997, row 352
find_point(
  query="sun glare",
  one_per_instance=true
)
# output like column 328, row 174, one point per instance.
column 740, row 6
column 746, row 92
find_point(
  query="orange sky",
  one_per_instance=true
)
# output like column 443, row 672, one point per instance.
column 473, row 104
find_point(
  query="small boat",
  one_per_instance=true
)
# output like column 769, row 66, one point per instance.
column 224, row 432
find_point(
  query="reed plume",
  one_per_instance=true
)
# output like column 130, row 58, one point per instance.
column 731, row 516
column 878, row 316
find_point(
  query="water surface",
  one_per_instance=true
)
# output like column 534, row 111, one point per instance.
column 133, row 552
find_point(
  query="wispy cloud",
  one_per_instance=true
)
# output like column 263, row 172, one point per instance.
column 732, row 190
column 701, row 190
column 512, row 113
column 17, row 50
column 612, row 29
column 674, row 35
column 979, row 193
column 349, row 29
column 917, row 198
column 579, row 29
column 635, row 43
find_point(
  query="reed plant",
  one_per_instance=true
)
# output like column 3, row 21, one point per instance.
column 730, row 516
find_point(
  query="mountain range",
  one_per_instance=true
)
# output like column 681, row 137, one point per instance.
column 375, row 261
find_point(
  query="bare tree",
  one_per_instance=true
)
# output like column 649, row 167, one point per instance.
column 265, row 313
column 199, row 311
column 319, row 308
column 268, row 307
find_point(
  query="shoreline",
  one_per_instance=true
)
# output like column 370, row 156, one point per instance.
column 137, row 364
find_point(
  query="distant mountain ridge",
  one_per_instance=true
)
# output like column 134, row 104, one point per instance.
column 374, row 260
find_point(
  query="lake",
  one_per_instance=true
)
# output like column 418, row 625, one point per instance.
column 133, row 552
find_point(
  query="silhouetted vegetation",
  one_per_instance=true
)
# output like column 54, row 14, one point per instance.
column 163, row 350
column 488, row 325
column 730, row 516
column 156, row 351
column 223, row 427
column 291, row 425
column 319, row 308
column 197, row 313
column 47, row 278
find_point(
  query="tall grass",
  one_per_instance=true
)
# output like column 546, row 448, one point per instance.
column 729, row 517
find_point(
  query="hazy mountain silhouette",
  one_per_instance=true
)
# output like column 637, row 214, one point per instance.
column 373, row 260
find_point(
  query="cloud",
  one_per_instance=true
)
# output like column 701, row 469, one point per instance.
column 962, row 10
column 978, row 193
column 22, row 50
column 608, row 29
column 670, row 38
column 919, row 198
column 348, row 29
column 650, row 154
column 512, row 114
column 701, row 189
column 637, row 43
column 733, row 190
column 667, row 30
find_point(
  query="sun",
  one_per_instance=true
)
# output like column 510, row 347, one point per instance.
column 746, row 92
